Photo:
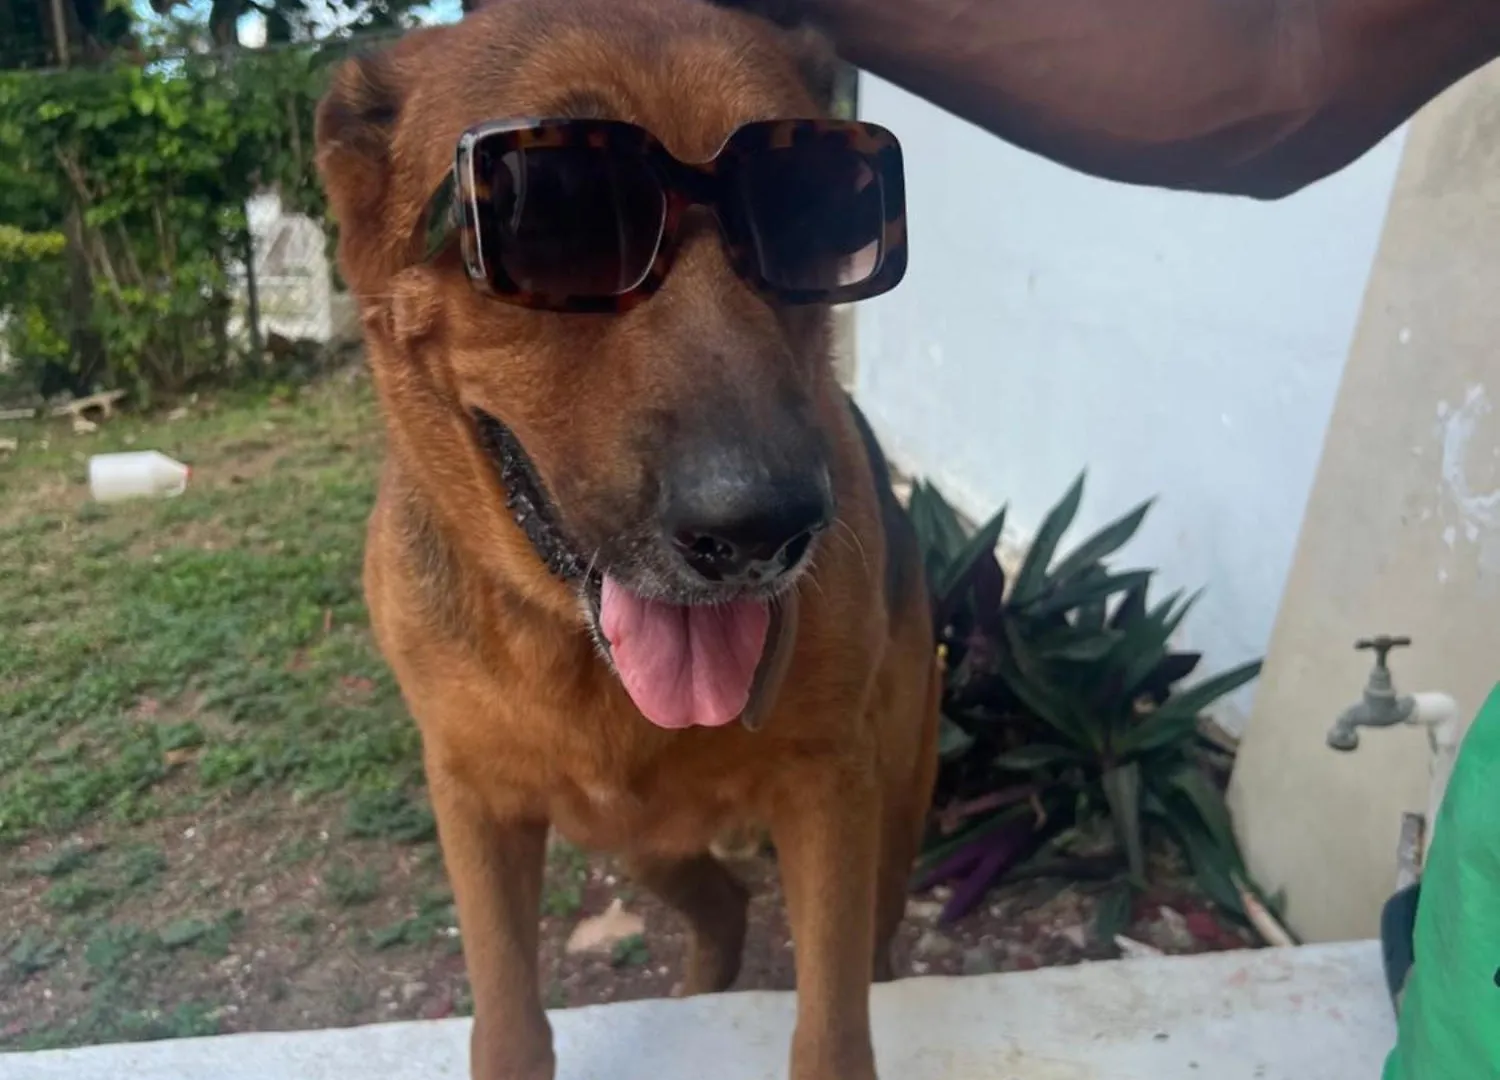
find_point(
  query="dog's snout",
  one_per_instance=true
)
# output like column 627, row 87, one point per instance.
column 734, row 521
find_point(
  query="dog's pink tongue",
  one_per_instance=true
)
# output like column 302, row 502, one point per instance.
column 684, row 665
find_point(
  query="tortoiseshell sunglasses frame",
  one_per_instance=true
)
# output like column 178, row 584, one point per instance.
column 458, row 204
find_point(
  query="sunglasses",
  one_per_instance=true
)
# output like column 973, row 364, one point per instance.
column 588, row 215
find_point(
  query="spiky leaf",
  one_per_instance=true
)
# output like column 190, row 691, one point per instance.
column 1196, row 698
column 1177, row 719
column 1091, row 617
column 1026, row 676
column 1036, row 756
column 1173, row 668
column 1102, row 544
column 939, row 531
column 1087, row 588
column 1174, row 620
column 953, row 855
column 1113, row 915
column 988, row 595
column 1207, row 801
column 1033, row 576
column 981, row 591
column 1151, row 638
column 1213, row 867
column 953, row 741
column 1144, row 635
column 1132, row 607
column 1122, row 788
column 1078, row 645
column 981, row 545
column 1002, row 851
column 948, row 529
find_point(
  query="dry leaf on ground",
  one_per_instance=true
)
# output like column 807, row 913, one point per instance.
column 601, row 933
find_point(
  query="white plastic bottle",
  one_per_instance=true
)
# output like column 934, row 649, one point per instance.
column 136, row 474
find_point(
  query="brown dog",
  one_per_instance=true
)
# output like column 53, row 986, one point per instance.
column 600, row 538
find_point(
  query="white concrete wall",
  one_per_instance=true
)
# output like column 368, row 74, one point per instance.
column 1175, row 345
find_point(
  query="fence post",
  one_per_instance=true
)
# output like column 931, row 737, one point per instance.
column 252, row 296
column 60, row 33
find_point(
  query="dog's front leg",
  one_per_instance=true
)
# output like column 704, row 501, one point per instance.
column 825, row 825
column 496, row 868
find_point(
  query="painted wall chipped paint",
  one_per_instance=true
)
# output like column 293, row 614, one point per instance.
column 1401, row 536
column 1469, row 491
column 1175, row 345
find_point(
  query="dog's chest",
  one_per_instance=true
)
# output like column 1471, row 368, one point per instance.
column 664, row 809
column 565, row 742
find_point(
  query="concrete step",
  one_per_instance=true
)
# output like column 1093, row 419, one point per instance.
column 1316, row 1013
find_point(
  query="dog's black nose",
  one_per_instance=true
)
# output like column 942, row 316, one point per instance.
column 734, row 522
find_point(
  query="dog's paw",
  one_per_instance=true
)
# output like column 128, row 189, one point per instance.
column 519, row 1054
column 500, row 1071
column 739, row 845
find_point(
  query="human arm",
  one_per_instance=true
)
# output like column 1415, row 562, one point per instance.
column 1251, row 97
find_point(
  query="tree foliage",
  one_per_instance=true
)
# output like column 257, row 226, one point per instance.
column 156, row 163
column 95, row 29
column 298, row 20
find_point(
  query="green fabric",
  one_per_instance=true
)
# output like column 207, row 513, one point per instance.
column 1450, row 1016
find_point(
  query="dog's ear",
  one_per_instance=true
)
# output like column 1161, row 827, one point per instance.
column 818, row 61
column 355, row 135
column 816, row 58
column 786, row 13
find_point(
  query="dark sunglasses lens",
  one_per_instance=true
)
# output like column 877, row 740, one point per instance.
column 815, row 215
column 575, row 221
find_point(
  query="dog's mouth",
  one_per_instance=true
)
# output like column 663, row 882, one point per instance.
column 703, row 661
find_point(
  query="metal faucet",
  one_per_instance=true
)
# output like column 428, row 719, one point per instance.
column 1379, row 707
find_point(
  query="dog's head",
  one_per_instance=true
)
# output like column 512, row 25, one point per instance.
column 669, row 463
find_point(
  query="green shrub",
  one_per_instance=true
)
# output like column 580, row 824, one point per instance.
column 32, row 287
column 152, row 166
column 1063, row 694
column 18, row 246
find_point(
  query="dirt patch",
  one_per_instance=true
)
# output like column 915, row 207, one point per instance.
column 209, row 535
column 1021, row 927
column 57, row 492
column 244, row 915
column 241, row 462
column 263, row 914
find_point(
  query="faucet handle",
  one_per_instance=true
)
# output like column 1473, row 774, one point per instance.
column 1382, row 645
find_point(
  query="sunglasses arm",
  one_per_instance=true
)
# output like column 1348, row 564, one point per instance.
column 441, row 219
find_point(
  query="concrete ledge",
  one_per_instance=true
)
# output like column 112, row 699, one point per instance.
column 1291, row 1014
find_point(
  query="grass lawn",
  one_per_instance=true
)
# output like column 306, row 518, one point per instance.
column 199, row 746
column 211, row 806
